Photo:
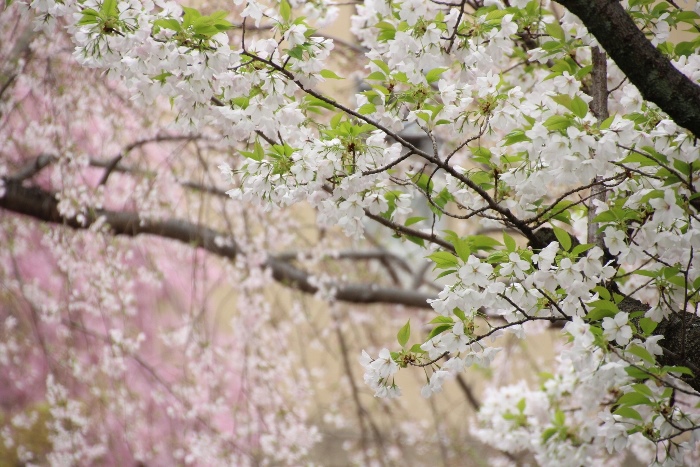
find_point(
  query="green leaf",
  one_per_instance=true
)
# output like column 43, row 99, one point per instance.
column 167, row 23
column 285, row 10
column 442, row 320
column 415, row 348
column 579, row 107
column 462, row 249
column 643, row 389
column 559, row 418
column 648, row 325
column 602, row 292
column 642, row 353
column 563, row 237
column 637, row 373
column 335, row 120
column 329, row 74
column 250, row 155
column 384, row 67
column 439, row 330
column 607, row 122
column 563, row 99
column 555, row 30
column 602, row 309
column 481, row 154
column 376, row 76
column 434, row 74
column 423, row 182
column 190, row 14
column 483, row 242
column 509, row 242
column 678, row 369
column 628, row 412
column 162, row 77
column 316, row 102
column 404, row 334
column 515, row 136
column 557, row 122
column 417, row 240
column 109, row 8
column 496, row 15
column 258, row 150
column 583, row 72
column 548, row 433
column 413, row 220
column 444, row 260
column 446, row 272
column 90, row 16
column 296, row 52
column 581, row 248
column 634, row 398
column 605, row 216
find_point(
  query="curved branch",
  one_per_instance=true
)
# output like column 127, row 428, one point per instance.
column 653, row 74
column 42, row 205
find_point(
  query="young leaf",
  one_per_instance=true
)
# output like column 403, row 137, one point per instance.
column 579, row 107
column 434, row 74
column 404, row 334
column 444, row 259
column 285, row 10
column 384, row 67
column 509, row 242
column 557, row 122
column 462, row 248
column 642, row 353
column 258, row 151
column 563, row 237
column 628, row 412
column 413, row 220
column 439, row 330
column 329, row 74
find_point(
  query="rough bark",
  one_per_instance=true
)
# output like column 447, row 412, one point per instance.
column 681, row 342
column 653, row 74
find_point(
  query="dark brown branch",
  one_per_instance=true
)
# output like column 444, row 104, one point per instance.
column 653, row 74
column 33, row 167
column 42, row 205
column 114, row 162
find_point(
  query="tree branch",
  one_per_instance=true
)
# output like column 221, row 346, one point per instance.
column 653, row 74
column 42, row 205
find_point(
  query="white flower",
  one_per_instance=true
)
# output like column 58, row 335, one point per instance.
column 566, row 84
column 435, row 384
column 615, row 241
column 546, row 256
column 590, row 264
column 580, row 331
column 474, row 272
column 517, row 266
column 384, row 365
column 667, row 210
column 295, row 35
column 617, row 328
column 567, row 272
